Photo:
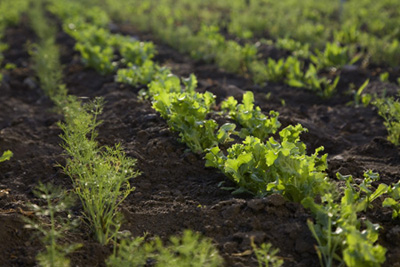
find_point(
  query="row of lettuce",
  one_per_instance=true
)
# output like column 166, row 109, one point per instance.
column 260, row 164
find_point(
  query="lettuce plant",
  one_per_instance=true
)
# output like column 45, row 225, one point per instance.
column 96, row 57
column 389, row 110
column 347, row 35
column 384, row 77
column 141, row 75
column 93, row 43
column 207, row 43
column 360, row 97
column 309, row 79
column 11, row 11
column 6, row 156
column 272, row 167
column 186, row 113
column 72, row 11
column 235, row 58
column 393, row 200
column 333, row 56
column 88, row 33
column 290, row 71
column 252, row 120
column 135, row 52
column 297, row 48
column 339, row 229
column 276, row 70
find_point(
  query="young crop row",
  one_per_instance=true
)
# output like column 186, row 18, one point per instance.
column 259, row 164
column 100, row 175
column 367, row 26
column 388, row 108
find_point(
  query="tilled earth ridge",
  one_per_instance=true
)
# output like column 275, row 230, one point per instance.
column 175, row 190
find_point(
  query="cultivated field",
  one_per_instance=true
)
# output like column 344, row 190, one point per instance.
column 199, row 133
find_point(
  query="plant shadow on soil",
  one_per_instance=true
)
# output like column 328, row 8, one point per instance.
column 175, row 191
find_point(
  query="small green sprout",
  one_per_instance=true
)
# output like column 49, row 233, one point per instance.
column 266, row 255
column 384, row 77
column 57, row 210
column 6, row 156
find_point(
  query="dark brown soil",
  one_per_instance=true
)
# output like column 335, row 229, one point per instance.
column 175, row 191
